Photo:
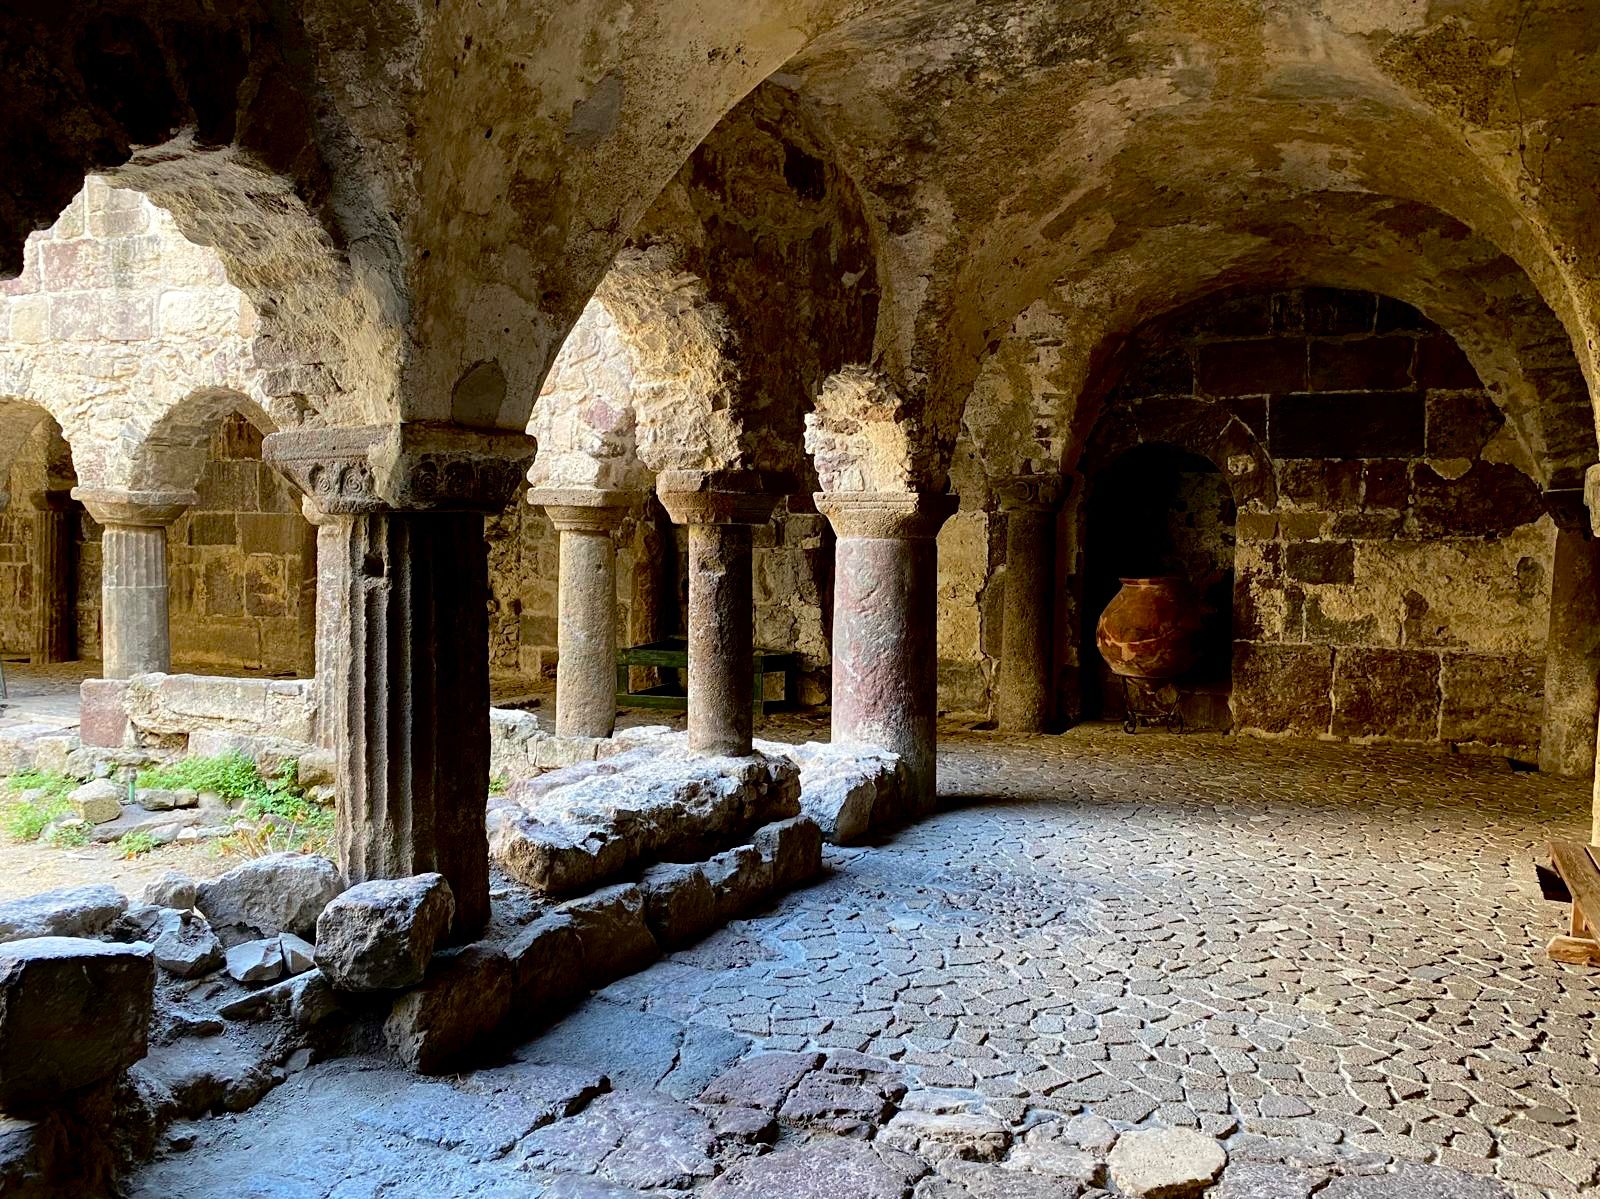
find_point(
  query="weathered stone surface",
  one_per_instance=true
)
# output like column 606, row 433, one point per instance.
column 971, row 1180
column 210, row 1074
column 791, row 850
column 455, row 1012
column 611, row 932
column 1386, row 692
column 298, row 955
column 762, row 1080
column 171, row 890
column 1283, row 688
column 825, row 1170
column 1165, row 1163
column 72, row 1012
column 256, row 961
column 186, row 946
column 99, row 801
column 936, row 1136
column 547, row 964
column 1267, row 1180
column 572, row 829
column 628, row 1138
column 379, row 935
column 156, row 799
column 282, row 892
column 679, row 904
column 850, row 1095
column 189, row 703
column 847, row 790
column 1416, row 1182
column 85, row 911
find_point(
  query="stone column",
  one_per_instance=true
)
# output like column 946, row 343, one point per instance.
column 328, row 608
column 720, row 511
column 885, row 613
column 410, row 698
column 306, row 600
column 586, row 669
column 54, row 618
column 133, row 576
column 1027, row 630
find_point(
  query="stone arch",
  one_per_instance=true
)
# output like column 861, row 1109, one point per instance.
column 19, row 420
column 170, row 454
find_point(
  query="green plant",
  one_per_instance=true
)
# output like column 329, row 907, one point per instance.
column 136, row 844
column 231, row 775
column 68, row 836
column 52, row 781
column 25, row 819
column 499, row 784
column 286, row 818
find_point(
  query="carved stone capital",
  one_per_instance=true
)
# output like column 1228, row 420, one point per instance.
column 903, row 515
column 585, row 509
column 699, row 497
column 121, row 506
column 416, row 467
column 1039, row 493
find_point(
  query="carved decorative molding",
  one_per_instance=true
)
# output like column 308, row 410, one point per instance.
column 904, row 515
column 1043, row 493
column 123, row 506
column 415, row 467
column 699, row 497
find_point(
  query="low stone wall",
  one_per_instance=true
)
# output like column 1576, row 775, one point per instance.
column 167, row 709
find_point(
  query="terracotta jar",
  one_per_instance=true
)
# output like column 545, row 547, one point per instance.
column 1148, row 629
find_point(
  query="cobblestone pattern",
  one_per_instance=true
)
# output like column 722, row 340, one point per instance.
column 1329, row 958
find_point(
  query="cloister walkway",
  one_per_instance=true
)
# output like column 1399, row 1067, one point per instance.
column 1330, row 957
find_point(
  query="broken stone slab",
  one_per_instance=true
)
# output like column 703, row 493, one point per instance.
column 848, row 1103
column 965, row 1136
column 457, row 1010
column 847, row 790
column 580, row 827
column 279, row 893
column 85, row 911
column 379, row 935
column 211, row 1074
column 73, row 1012
column 171, row 890
column 792, row 850
column 298, row 955
column 256, row 961
column 628, row 1138
column 163, row 828
column 1415, row 1182
column 826, row 1169
column 191, row 704
column 98, row 801
column 679, row 905
column 185, row 946
column 307, row 1000
column 762, row 1080
column 547, row 966
column 1053, row 1159
column 1165, row 1163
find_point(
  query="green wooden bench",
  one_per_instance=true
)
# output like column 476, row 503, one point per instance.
column 673, row 654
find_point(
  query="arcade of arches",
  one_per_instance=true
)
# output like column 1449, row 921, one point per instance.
column 437, row 354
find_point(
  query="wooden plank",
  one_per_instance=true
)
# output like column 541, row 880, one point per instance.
column 1575, row 951
column 1582, row 876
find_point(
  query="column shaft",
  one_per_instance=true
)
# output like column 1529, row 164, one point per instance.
column 332, row 634
column 721, row 661
column 413, row 703
column 134, row 598
column 54, row 619
column 1572, row 657
column 586, row 671
column 1026, row 631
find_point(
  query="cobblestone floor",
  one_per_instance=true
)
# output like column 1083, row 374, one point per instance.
column 1315, row 952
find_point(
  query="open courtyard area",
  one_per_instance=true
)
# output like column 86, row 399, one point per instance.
column 1331, row 958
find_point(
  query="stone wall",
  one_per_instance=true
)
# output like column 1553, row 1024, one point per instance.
column 236, row 559
column 1393, row 554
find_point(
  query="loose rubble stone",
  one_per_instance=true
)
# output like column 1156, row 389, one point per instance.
column 156, row 799
column 612, row 935
column 936, row 1136
column 256, row 961
column 792, row 850
column 458, row 1009
column 547, row 965
column 72, row 1012
column 171, row 890
column 379, row 935
column 1165, row 1163
column 98, row 801
column 823, row 1170
column 679, row 905
column 298, row 955
column 65, row 912
column 186, row 946
column 279, row 893
column 575, row 828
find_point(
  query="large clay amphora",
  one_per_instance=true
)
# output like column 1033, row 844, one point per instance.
column 1148, row 629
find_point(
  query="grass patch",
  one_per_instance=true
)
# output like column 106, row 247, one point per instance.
column 499, row 784
column 24, row 819
column 68, row 836
column 286, row 818
column 136, row 844
column 230, row 775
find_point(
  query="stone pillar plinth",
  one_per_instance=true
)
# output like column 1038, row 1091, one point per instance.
column 54, row 618
column 586, row 669
column 885, row 609
column 135, row 635
column 404, row 567
column 1029, row 503
column 720, row 511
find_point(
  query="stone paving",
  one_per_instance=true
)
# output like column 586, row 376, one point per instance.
column 1328, row 957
